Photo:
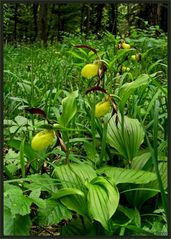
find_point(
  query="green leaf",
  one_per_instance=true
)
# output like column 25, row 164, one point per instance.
column 20, row 120
column 16, row 225
column 151, row 104
column 141, row 196
column 75, row 203
column 132, row 214
column 53, row 213
column 69, row 108
column 138, row 231
column 140, row 160
column 11, row 157
column 120, row 55
column 67, row 192
column 124, row 175
column 128, row 89
column 76, row 55
column 12, row 163
column 35, row 196
column 84, row 171
column 43, row 182
column 14, row 143
column 103, row 200
column 128, row 140
column 10, row 170
column 17, row 202
column 73, row 176
column 91, row 152
column 22, row 162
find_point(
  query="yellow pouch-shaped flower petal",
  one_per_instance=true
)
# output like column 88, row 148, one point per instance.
column 136, row 57
column 133, row 57
column 89, row 70
column 102, row 108
column 42, row 140
column 126, row 46
column 124, row 69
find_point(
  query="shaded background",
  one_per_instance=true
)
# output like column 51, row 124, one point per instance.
column 50, row 22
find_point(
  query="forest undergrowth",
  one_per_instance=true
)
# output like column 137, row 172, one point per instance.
column 85, row 136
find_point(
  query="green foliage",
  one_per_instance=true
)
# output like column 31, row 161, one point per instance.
column 69, row 108
column 128, row 89
column 126, row 137
column 52, row 213
column 103, row 199
column 16, row 201
column 100, row 175
column 17, row 225
column 16, row 211
column 74, row 176
column 123, row 175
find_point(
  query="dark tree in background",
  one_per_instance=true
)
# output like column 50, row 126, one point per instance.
column 50, row 22
column 112, row 19
column 88, row 9
column 15, row 21
column 99, row 10
column 155, row 14
column 35, row 11
column 164, row 17
column 43, row 22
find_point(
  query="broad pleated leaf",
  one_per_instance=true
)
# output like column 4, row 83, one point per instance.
column 132, row 214
column 74, row 176
column 84, row 171
column 124, row 175
column 128, row 140
column 75, row 203
column 128, row 88
column 67, row 192
column 69, row 108
column 142, row 195
column 53, row 213
column 103, row 200
column 140, row 160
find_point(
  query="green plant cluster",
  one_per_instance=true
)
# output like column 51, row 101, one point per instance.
column 103, row 175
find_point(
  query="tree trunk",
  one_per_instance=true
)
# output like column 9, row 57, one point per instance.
column 149, row 12
column 113, row 19
column 99, row 10
column 61, row 23
column 88, row 20
column 15, row 22
column 82, row 19
column 164, row 17
column 43, row 23
column 35, row 8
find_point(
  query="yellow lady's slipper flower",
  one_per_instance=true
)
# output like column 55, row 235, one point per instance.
column 136, row 57
column 90, row 70
column 126, row 46
column 43, row 139
column 124, row 68
column 133, row 57
column 102, row 108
